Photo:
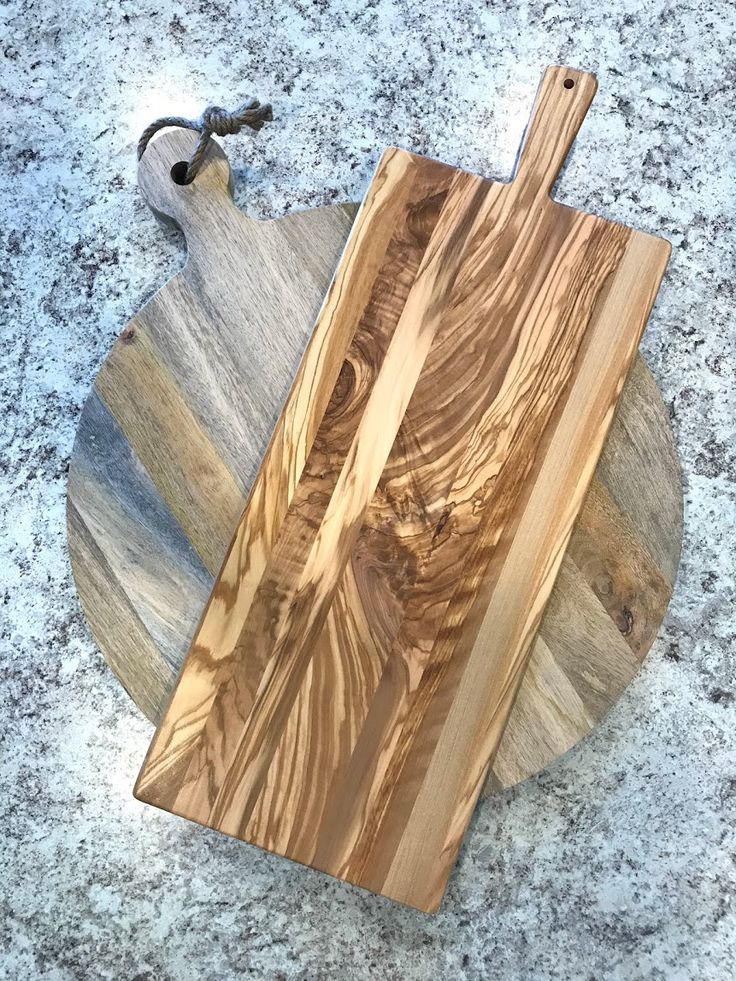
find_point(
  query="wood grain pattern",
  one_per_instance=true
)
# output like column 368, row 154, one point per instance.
column 142, row 583
column 446, row 421
column 144, row 575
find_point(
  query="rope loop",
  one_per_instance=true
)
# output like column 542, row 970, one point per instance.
column 213, row 121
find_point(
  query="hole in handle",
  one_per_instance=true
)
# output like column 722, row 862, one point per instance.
column 179, row 173
column 569, row 83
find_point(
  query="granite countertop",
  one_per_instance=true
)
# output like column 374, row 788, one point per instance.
column 618, row 861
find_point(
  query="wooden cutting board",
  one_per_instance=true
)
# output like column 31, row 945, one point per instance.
column 145, row 554
column 354, row 669
column 135, row 372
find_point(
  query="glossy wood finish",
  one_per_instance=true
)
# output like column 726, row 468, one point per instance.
column 355, row 667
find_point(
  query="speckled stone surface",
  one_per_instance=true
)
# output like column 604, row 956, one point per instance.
column 618, row 862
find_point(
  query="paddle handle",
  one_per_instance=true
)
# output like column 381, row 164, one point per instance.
column 562, row 102
column 203, row 209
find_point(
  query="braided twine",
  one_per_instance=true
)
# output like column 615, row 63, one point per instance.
column 214, row 121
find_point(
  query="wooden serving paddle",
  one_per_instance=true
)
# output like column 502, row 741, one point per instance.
column 354, row 668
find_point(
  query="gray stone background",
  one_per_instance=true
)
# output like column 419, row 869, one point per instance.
column 618, row 862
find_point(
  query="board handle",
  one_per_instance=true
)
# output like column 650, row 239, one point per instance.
column 199, row 208
column 563, row 99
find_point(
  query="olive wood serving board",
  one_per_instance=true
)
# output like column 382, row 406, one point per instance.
column 163, row 408
column 353, row 671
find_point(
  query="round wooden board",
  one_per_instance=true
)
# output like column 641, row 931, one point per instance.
column 173, row 431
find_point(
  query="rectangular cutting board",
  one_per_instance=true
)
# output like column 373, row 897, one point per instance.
column 354, row 668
